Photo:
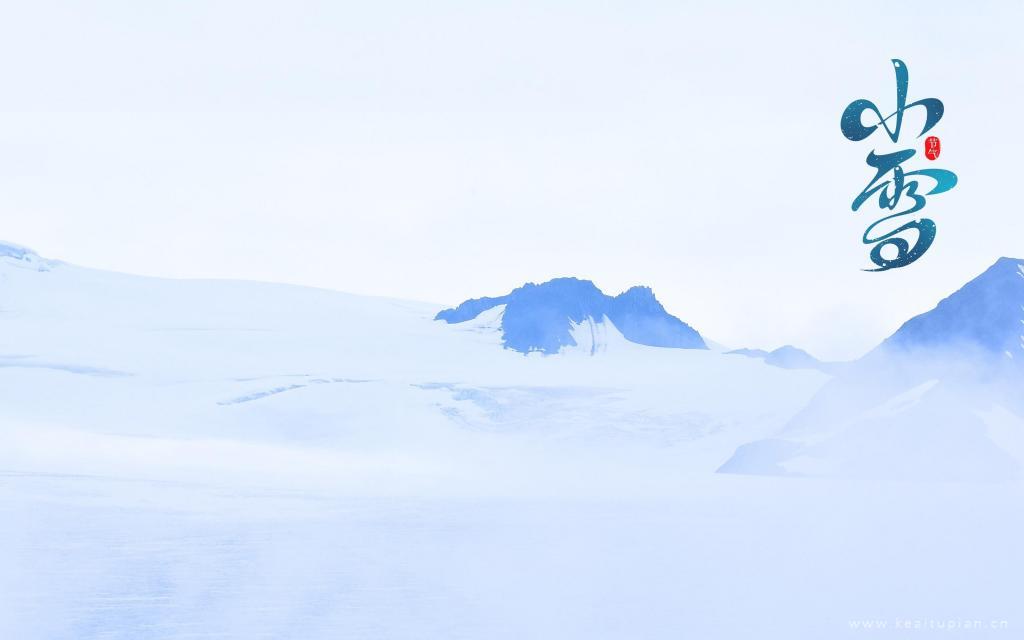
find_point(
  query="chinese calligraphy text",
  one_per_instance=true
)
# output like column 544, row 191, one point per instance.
column 900, row 192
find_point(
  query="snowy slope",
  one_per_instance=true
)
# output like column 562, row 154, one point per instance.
column 985, row 315
column 919, row 405
column 130, row 357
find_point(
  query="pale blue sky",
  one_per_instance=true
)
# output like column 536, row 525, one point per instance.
column 457, row 150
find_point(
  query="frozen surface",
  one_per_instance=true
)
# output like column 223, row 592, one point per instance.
column 728, row 557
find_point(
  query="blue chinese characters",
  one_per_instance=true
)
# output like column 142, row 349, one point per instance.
column 899, row 191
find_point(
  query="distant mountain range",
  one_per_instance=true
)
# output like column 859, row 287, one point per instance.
column 540, row 317
column 786, row 357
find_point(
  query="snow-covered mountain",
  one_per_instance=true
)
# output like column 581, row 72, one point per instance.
column 984, row 318
column 132, row 357
column 942, row 397
column 542, row 317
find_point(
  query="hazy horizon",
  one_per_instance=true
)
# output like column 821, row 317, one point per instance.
column 459, row 151
column 708, row 336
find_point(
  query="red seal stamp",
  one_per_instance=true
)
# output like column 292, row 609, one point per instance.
column 932, row 147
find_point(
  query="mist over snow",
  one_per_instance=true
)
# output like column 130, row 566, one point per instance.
column 935, row 400
column 203, row 458
column 606, row 367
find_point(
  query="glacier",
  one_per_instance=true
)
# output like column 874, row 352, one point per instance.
column 229, row 459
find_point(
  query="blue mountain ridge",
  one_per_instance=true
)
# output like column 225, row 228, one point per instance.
column 965, row 356
column 986, row 315
column 786, row 357
column 539, row 317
